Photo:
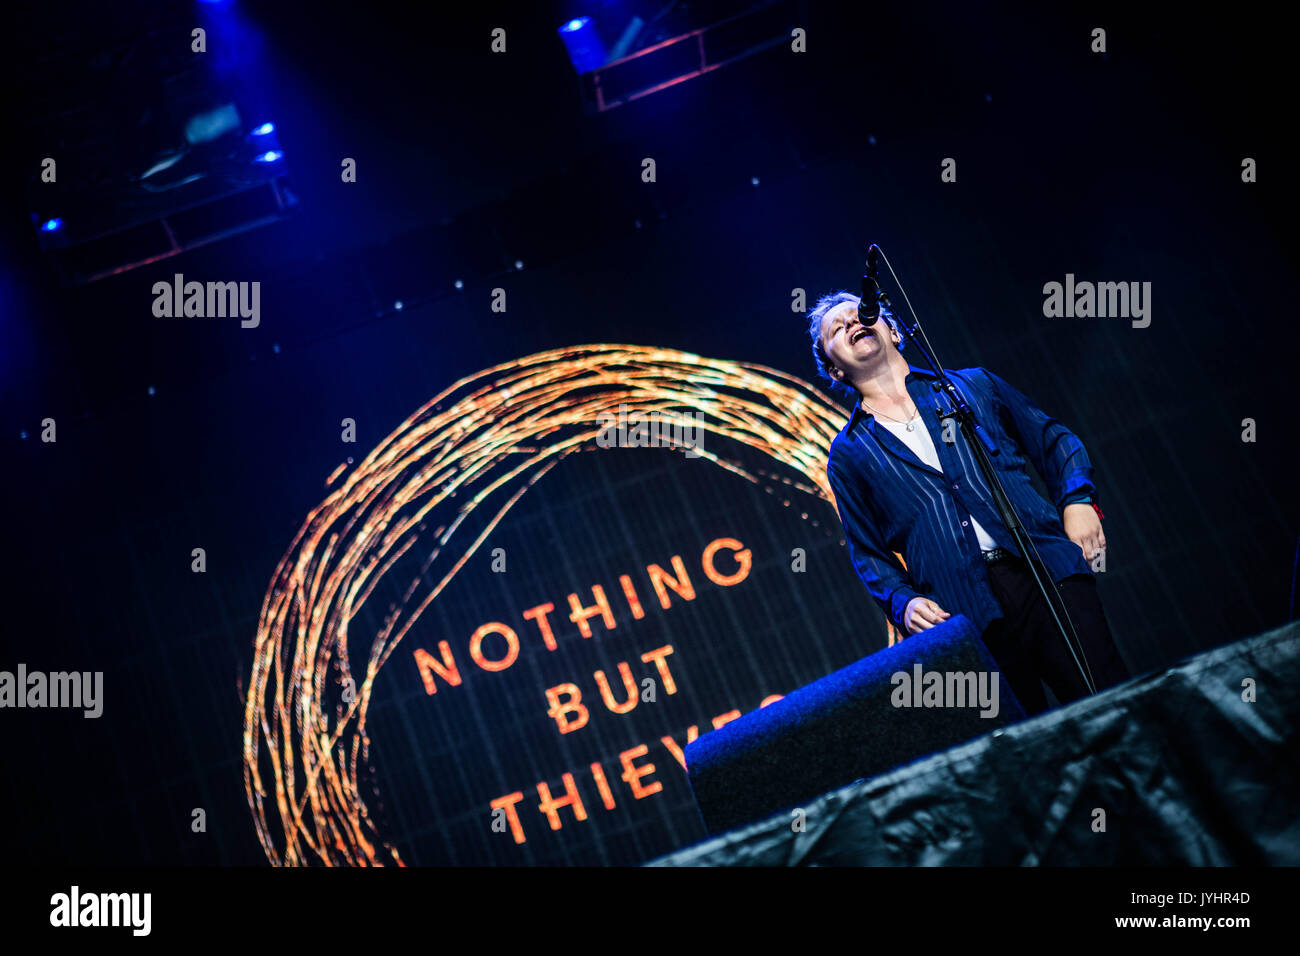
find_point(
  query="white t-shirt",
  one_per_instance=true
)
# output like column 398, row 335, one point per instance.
column 922, row 446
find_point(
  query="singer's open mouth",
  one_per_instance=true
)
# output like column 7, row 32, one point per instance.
column 857, row 336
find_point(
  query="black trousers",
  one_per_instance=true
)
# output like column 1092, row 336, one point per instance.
column 1029, row 647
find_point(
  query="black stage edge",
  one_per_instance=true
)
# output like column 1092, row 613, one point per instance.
column 1176, row 766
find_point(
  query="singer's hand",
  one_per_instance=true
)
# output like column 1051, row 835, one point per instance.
column 1083, row 527
column 921, row 614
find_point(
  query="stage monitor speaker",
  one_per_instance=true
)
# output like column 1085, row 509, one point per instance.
column 872, row 716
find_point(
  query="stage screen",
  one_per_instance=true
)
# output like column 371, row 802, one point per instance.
column 505, row 625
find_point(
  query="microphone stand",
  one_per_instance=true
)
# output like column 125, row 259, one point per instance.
column 982, row 447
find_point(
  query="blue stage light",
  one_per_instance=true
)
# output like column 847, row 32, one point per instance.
column 583, row 44
column 52, row 225
column 270, row 156
column 264, row 129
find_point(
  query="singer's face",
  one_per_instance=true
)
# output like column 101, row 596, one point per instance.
column 849, row 343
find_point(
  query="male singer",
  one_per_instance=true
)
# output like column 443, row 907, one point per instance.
column 900, row 487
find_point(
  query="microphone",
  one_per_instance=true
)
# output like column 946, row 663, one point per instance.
column 872, row 295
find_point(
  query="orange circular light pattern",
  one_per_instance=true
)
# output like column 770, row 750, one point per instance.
column 427, row 498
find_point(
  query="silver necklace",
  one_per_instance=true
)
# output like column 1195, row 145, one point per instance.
column 909, row 423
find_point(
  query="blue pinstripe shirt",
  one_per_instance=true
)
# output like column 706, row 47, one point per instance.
column 890, row 501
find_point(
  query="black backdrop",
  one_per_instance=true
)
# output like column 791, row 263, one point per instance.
column 1120, row 169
